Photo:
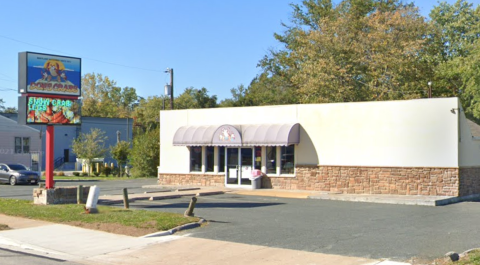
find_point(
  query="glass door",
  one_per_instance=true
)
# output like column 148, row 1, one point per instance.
column 232, row 163
column 246, row 165
column 239, row 165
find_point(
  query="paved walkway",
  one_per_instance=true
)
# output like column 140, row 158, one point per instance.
column 157, row 194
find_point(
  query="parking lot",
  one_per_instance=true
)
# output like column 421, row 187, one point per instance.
column 345, row 228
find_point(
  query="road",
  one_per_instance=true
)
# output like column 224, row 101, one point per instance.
column 110, row 187
column 12, row 257
column 344, row 228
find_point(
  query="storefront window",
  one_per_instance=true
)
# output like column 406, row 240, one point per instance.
column 271, row 159
column 221, row 159
column 196, row 159
column 258, row 157
column 287, row 155
column 209, row 156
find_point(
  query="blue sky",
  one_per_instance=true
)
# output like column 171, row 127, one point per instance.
column 214, row 44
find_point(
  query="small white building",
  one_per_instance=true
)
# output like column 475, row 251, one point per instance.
column 19, row 144
column 408, row 147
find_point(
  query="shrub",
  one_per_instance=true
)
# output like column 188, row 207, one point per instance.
column 106, row 171
column 115, row 171
column 76, row 174
column 60, row 173
column 85, row 174
column 96, row 173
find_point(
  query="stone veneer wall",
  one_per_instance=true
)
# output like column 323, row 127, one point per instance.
column 469, row 181
column 370, row 180
column 60, row 195
column 192, row 179
column 357, row 180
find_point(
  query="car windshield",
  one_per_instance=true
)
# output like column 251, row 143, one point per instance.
column 17, row 167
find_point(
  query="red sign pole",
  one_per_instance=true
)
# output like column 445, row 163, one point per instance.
column 49, row 157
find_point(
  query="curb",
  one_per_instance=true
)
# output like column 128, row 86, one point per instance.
column 176, row 229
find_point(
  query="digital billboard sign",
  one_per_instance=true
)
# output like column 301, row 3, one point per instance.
column 48, row 110
column 49, row 74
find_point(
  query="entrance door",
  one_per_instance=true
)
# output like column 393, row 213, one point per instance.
column 66, row 155
column 239, row 163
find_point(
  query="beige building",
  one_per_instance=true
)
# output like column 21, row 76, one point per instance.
column 410, row 147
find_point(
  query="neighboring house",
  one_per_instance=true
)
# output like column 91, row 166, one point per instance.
column 19, row 144
column 65, row 134
column 408, row 147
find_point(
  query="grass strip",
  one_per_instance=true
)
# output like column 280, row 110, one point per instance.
column 65, row 213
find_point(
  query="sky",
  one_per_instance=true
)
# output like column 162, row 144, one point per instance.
column 215, row 44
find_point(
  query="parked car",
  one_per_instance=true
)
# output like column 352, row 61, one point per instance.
column 17, row 173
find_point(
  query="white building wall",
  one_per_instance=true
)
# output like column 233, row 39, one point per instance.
column 9, row 129
column 411, row 133
column 469, row 147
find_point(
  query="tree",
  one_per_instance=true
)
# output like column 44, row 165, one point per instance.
column 103, row 98
column 355, row 51
column 193, row 98
column 239, row 98
column 146, row 113
column 454, row 52
column 10, row 110
column 120, row 152
column 90, row 146
column 2, row 107
column 145, row 154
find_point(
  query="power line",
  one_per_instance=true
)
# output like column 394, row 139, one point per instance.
column 88, row 58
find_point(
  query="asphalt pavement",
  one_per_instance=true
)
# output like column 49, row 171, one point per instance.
column 281, row 221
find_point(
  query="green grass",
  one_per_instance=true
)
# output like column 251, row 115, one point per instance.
column 473, row 258
column 64, row 213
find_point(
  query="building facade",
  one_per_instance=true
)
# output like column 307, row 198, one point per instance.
column 19, row 144
column 65, row 134
column 410, row 147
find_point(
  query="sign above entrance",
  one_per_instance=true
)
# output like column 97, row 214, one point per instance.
column 227, row 135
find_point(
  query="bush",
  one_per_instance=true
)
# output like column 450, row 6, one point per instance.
column 60, row 173
column 115, row 171
column 96, row 173
column 144, row 155
column 85, row 174
column 76, row 174
column 106, row 171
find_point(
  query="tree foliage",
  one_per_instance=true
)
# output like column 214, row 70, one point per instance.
column 193, row 98
column 145, row 154
column 120, row 152
column 146, row 113
column 455, row 51
column 90, row 145
column 103, row 98
column 355, row 51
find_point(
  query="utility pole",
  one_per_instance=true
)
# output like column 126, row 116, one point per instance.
column 170, row 70
column 429, row 89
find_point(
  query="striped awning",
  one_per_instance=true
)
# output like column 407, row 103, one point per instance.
column 238, row 135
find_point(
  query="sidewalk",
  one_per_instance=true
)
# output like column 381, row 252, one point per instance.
column 159, row 193
column 95, row 247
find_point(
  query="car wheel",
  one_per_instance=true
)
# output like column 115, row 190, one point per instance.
column 34, row 183
column 13, row 180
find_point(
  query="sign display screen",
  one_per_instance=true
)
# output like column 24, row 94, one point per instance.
column 46, row 110
column 49, row 74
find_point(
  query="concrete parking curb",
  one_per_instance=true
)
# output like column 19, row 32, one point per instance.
column 176, row 229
